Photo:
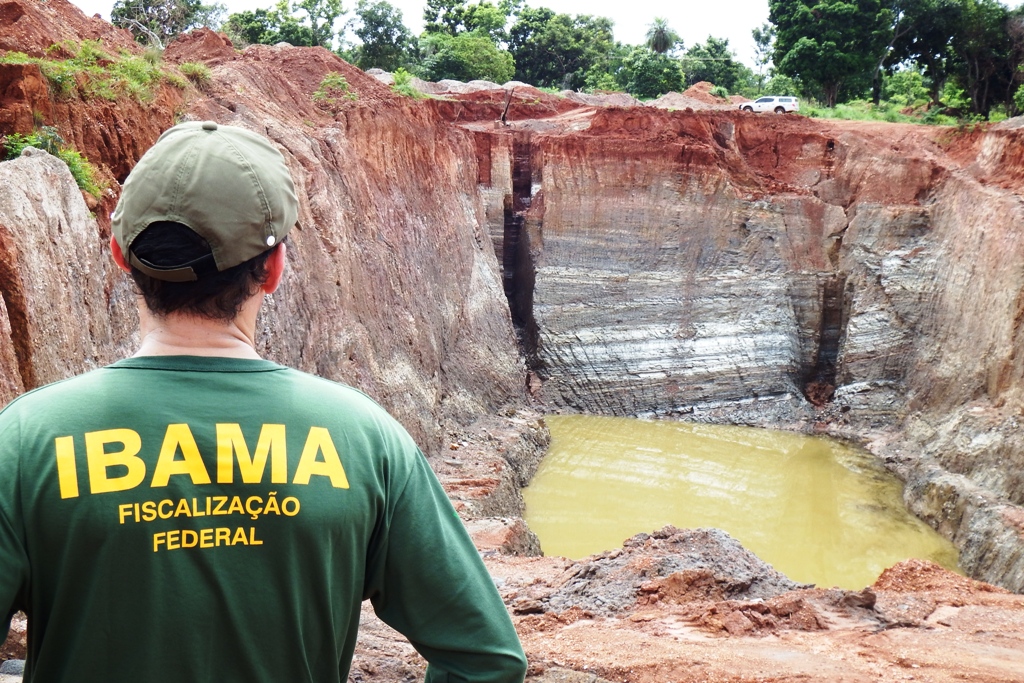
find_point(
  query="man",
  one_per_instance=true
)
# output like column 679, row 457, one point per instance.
column 196, row 513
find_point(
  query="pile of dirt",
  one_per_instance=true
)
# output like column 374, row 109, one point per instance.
column 702, row 91
column 912, row 576
column 671, row 564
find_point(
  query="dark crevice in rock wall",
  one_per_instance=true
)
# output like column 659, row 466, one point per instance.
column 518, row 273
column 17, row 310
column 820, row 381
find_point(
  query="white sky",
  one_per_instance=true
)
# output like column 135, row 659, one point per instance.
column 694, row 20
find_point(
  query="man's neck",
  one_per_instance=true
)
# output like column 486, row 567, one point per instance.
column 178, row 334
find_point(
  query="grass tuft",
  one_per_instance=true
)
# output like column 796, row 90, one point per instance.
column 88, row 70
column 198, row 73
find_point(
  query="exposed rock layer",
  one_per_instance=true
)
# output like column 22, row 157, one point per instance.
column 769, row 270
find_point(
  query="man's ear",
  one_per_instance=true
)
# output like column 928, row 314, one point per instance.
column 275, row 269
column 118, row 255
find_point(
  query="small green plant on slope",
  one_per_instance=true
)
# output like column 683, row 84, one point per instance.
column 333, row 88
column 88, row 70
column 403, row 84
column 47, row 138
column 197, row 72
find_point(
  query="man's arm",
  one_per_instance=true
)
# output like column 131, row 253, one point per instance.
column 427, row 581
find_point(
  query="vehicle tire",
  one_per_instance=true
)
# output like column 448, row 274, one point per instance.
column 750, row 109
column 780, row 110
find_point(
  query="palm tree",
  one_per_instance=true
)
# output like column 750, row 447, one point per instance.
column 661, row 38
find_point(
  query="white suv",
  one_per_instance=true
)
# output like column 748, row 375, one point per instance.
column 779, row 105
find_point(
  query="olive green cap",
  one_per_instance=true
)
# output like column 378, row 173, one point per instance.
column 228, row 184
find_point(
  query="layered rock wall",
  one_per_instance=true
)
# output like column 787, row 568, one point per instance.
column 738, row 268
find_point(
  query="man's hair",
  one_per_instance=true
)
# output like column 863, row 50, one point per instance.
column 215, row 295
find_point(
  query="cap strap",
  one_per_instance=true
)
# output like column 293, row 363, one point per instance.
column 186, row 272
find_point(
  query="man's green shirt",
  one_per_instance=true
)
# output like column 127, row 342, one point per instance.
column 212, row 519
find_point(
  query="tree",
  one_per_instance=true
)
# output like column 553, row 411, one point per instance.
column 651, row 74
column 269, row 27
column 465, row 57
column 161, row 20
column 558, row 50
column 321, row 18
column 983, row 53
column 713, row 61
column 281, row 25
column 830, row 45
column 455, row 16
column 764, row 37
column 933, row 24
column 661, row 38
column 385, row 39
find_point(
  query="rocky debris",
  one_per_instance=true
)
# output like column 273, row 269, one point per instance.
column 670, row 564
column 601, row 99
column 697, row 96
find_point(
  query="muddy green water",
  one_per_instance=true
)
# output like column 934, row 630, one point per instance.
column 818, row 510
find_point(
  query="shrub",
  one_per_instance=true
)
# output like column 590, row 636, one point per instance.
column 403, row 84
column 333, row 87
column 47, row 138
column 719, row 91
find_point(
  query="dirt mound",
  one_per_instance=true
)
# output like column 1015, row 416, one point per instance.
column 671, row 564
column 201, row 45
column 920, row 575
column 702, row 91
column 31, row 27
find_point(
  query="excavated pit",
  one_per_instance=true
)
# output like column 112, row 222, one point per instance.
column 705, row 264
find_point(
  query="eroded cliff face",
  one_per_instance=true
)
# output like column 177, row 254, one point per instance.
column 392, row 287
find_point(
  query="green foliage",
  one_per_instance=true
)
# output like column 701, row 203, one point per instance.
column 455, row 16
column 891, row 112
column 403, row 85
column 1018, row 98
column 386, row 42
column 316, row 24
column 158, row 21
column 465, row 57
column 780, row 84
column 905, row 87
column 321, row 18
column 983, row 47
column 719, row 91
column 560, row 51
column 660, row 37
column 47, row 138
column 714, row 62
column 89, row 71
column 830, row 45
column 764, row 39
column 333, row 88
column 197, row 72
column 649, row 74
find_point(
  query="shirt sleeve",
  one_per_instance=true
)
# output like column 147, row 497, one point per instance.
column 426, row 580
